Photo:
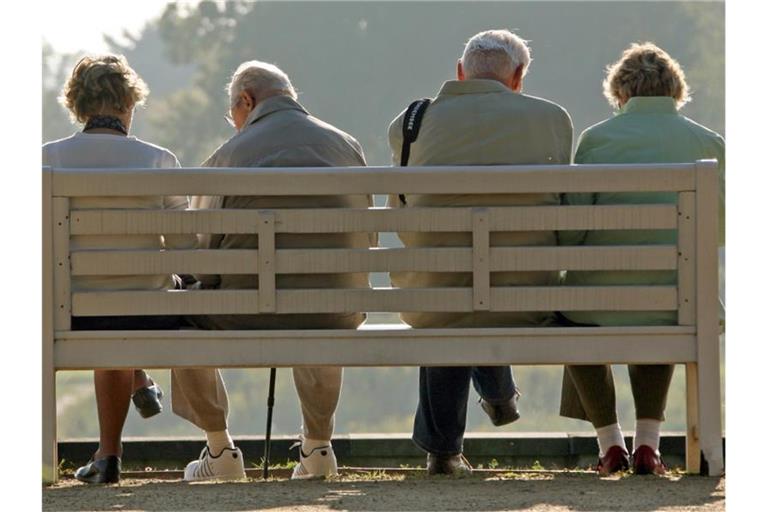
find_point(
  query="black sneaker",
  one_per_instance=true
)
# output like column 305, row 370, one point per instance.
column 102, row 471
column 147, row 400
column 504, row 413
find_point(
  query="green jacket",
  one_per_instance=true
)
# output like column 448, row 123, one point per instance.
column 645, row 130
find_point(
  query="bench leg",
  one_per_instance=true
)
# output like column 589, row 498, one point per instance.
column 692, row 448
column 50, row 448
column 710, row 422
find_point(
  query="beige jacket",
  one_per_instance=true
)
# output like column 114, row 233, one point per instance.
column 279, row 132
column 482, row 122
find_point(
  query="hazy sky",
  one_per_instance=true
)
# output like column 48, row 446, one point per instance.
column 63, row 26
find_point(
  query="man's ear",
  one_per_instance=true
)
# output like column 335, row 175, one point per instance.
column 516, row 84
column 247, row 100
column 459, row 70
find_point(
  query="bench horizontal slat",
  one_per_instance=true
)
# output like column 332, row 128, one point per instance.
column 612, row 298
column 139, row 262
column 648, row 257
column 311, row 261
column 332, row 220
column 377, row 180
column 405, row 347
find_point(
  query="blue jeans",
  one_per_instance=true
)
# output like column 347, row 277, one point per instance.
column 441, row 415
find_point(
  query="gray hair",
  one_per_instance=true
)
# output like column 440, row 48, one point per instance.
column 261, row 80
column 495, row 54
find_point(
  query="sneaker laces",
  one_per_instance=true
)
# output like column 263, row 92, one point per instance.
column 299, row 444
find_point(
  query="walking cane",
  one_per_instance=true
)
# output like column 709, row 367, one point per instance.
column 270, row 405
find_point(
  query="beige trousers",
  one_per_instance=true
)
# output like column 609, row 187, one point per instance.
column 200, row 397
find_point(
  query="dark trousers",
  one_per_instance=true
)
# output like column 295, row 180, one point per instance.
column 441, row 415
column 588, row 391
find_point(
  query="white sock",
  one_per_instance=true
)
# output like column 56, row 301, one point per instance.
column 219, row 440
column 647, row 432
column 609, row 435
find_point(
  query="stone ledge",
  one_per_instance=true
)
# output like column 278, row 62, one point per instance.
column 551, row 449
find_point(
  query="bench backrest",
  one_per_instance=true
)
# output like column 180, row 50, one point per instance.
column 694, row 256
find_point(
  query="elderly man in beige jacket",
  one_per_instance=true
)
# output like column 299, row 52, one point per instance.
column 482, row 118
column 273, row 130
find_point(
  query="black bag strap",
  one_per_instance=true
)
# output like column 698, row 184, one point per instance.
column 411, row 125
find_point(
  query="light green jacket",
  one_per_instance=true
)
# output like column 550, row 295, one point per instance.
column 482, row 122
column 645, row 130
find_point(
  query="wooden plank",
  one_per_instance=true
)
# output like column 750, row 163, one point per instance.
column 481, row 275
column 692, row 447
column 267, row 299
column 49, row 438
column 167, row 222
column 388, row 331
column 686, row 243
column 546, row 218
column 710, row 404
column 584, row 298
column 412, row 347
column 415, row 259
column 520, row 298
column 378, row 300
column 151, row 262
column 376, row 259
column 380, row 180
column 171, row 302
column 336, row 220
column 645, row 257
column 62, row 283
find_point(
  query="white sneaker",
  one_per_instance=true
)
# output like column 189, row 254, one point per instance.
column 227, row 465
column 319, row 461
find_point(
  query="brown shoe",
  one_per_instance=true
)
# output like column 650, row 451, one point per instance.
column 455, row 465
column 615, row 459
column 504, row 413
column 647, row 461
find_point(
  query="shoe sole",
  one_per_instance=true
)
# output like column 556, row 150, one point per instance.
column 506, row 421
column 225, row 478
column 149, row 411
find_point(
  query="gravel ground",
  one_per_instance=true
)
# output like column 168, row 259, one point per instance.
column 381, row 492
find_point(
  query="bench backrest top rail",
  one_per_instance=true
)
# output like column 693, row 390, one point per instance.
column 377, row 180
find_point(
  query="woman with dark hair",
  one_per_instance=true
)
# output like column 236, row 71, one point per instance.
column 101, row 94
column 647, row 87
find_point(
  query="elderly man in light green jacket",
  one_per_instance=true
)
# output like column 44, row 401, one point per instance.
column 648, row 87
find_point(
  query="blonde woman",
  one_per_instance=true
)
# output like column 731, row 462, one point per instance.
column 648, row 88
column 101, row 95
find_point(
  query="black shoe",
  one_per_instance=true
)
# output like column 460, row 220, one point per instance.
column 455, row 465
column 102, row 471
column 504, row 413
column 147, row 400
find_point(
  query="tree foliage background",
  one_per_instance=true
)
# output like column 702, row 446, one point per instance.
column 357, row 65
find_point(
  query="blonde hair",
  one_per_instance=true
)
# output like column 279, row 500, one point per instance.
column 495, row 53
column 102, row 84
column 645, row 70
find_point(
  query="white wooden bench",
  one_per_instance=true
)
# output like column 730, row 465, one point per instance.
column 693, row 342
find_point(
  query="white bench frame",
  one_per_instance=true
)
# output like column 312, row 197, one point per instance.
column 693, row 342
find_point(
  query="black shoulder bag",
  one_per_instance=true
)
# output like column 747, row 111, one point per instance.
column 411, row 124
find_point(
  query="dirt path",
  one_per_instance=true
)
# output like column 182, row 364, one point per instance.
column 543, row 492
